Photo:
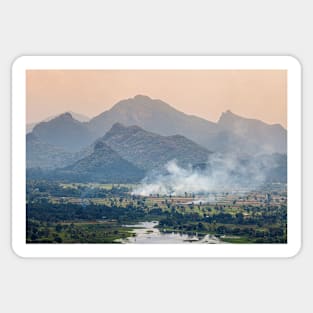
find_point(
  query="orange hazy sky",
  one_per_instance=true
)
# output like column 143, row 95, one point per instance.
column 260, row 94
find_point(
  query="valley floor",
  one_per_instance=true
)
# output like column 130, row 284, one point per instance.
column 106, row 213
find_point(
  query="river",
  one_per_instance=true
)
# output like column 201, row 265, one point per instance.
column 146, row 232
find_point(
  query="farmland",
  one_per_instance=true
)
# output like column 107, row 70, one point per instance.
column 98, row 213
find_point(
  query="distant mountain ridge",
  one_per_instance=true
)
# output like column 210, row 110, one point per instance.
column 271, row 138
column 102, row 165
column 141, row 134
column 148, row 150
column 231, row 133
column 40, row 154
column 159, row 117
column 77, row 116
column 44, row 155
column 152, row 115
column 64, row 131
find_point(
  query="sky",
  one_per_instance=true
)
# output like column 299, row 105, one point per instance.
column 260, row 94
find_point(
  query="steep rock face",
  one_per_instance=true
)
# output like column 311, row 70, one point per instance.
column 65, row 132
column 152, row 151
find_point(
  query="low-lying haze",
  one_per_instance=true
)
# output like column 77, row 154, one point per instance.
column 222, row 173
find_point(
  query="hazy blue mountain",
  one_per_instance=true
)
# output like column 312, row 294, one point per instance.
column 231, row 134
column 30, row 127
column 44, row 155
column 102, row 165
column 77, row 116
column 265, row 137
column 152, row 115
column 159, row 117
column 275, row 166
column 126, row 154
column 148, row 150
column 65, row 132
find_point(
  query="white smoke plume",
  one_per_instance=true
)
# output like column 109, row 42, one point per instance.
column 221, row 173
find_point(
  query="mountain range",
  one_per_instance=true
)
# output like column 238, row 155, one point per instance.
column 141, row 134
column 231, row 133
column 123, row 154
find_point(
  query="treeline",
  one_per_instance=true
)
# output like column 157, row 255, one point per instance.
column 45, row 188
column 42, row 232
column 267, row 226
column 271, row 234
column 43, row 210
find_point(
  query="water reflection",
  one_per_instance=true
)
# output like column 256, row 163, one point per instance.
column 146, row 232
